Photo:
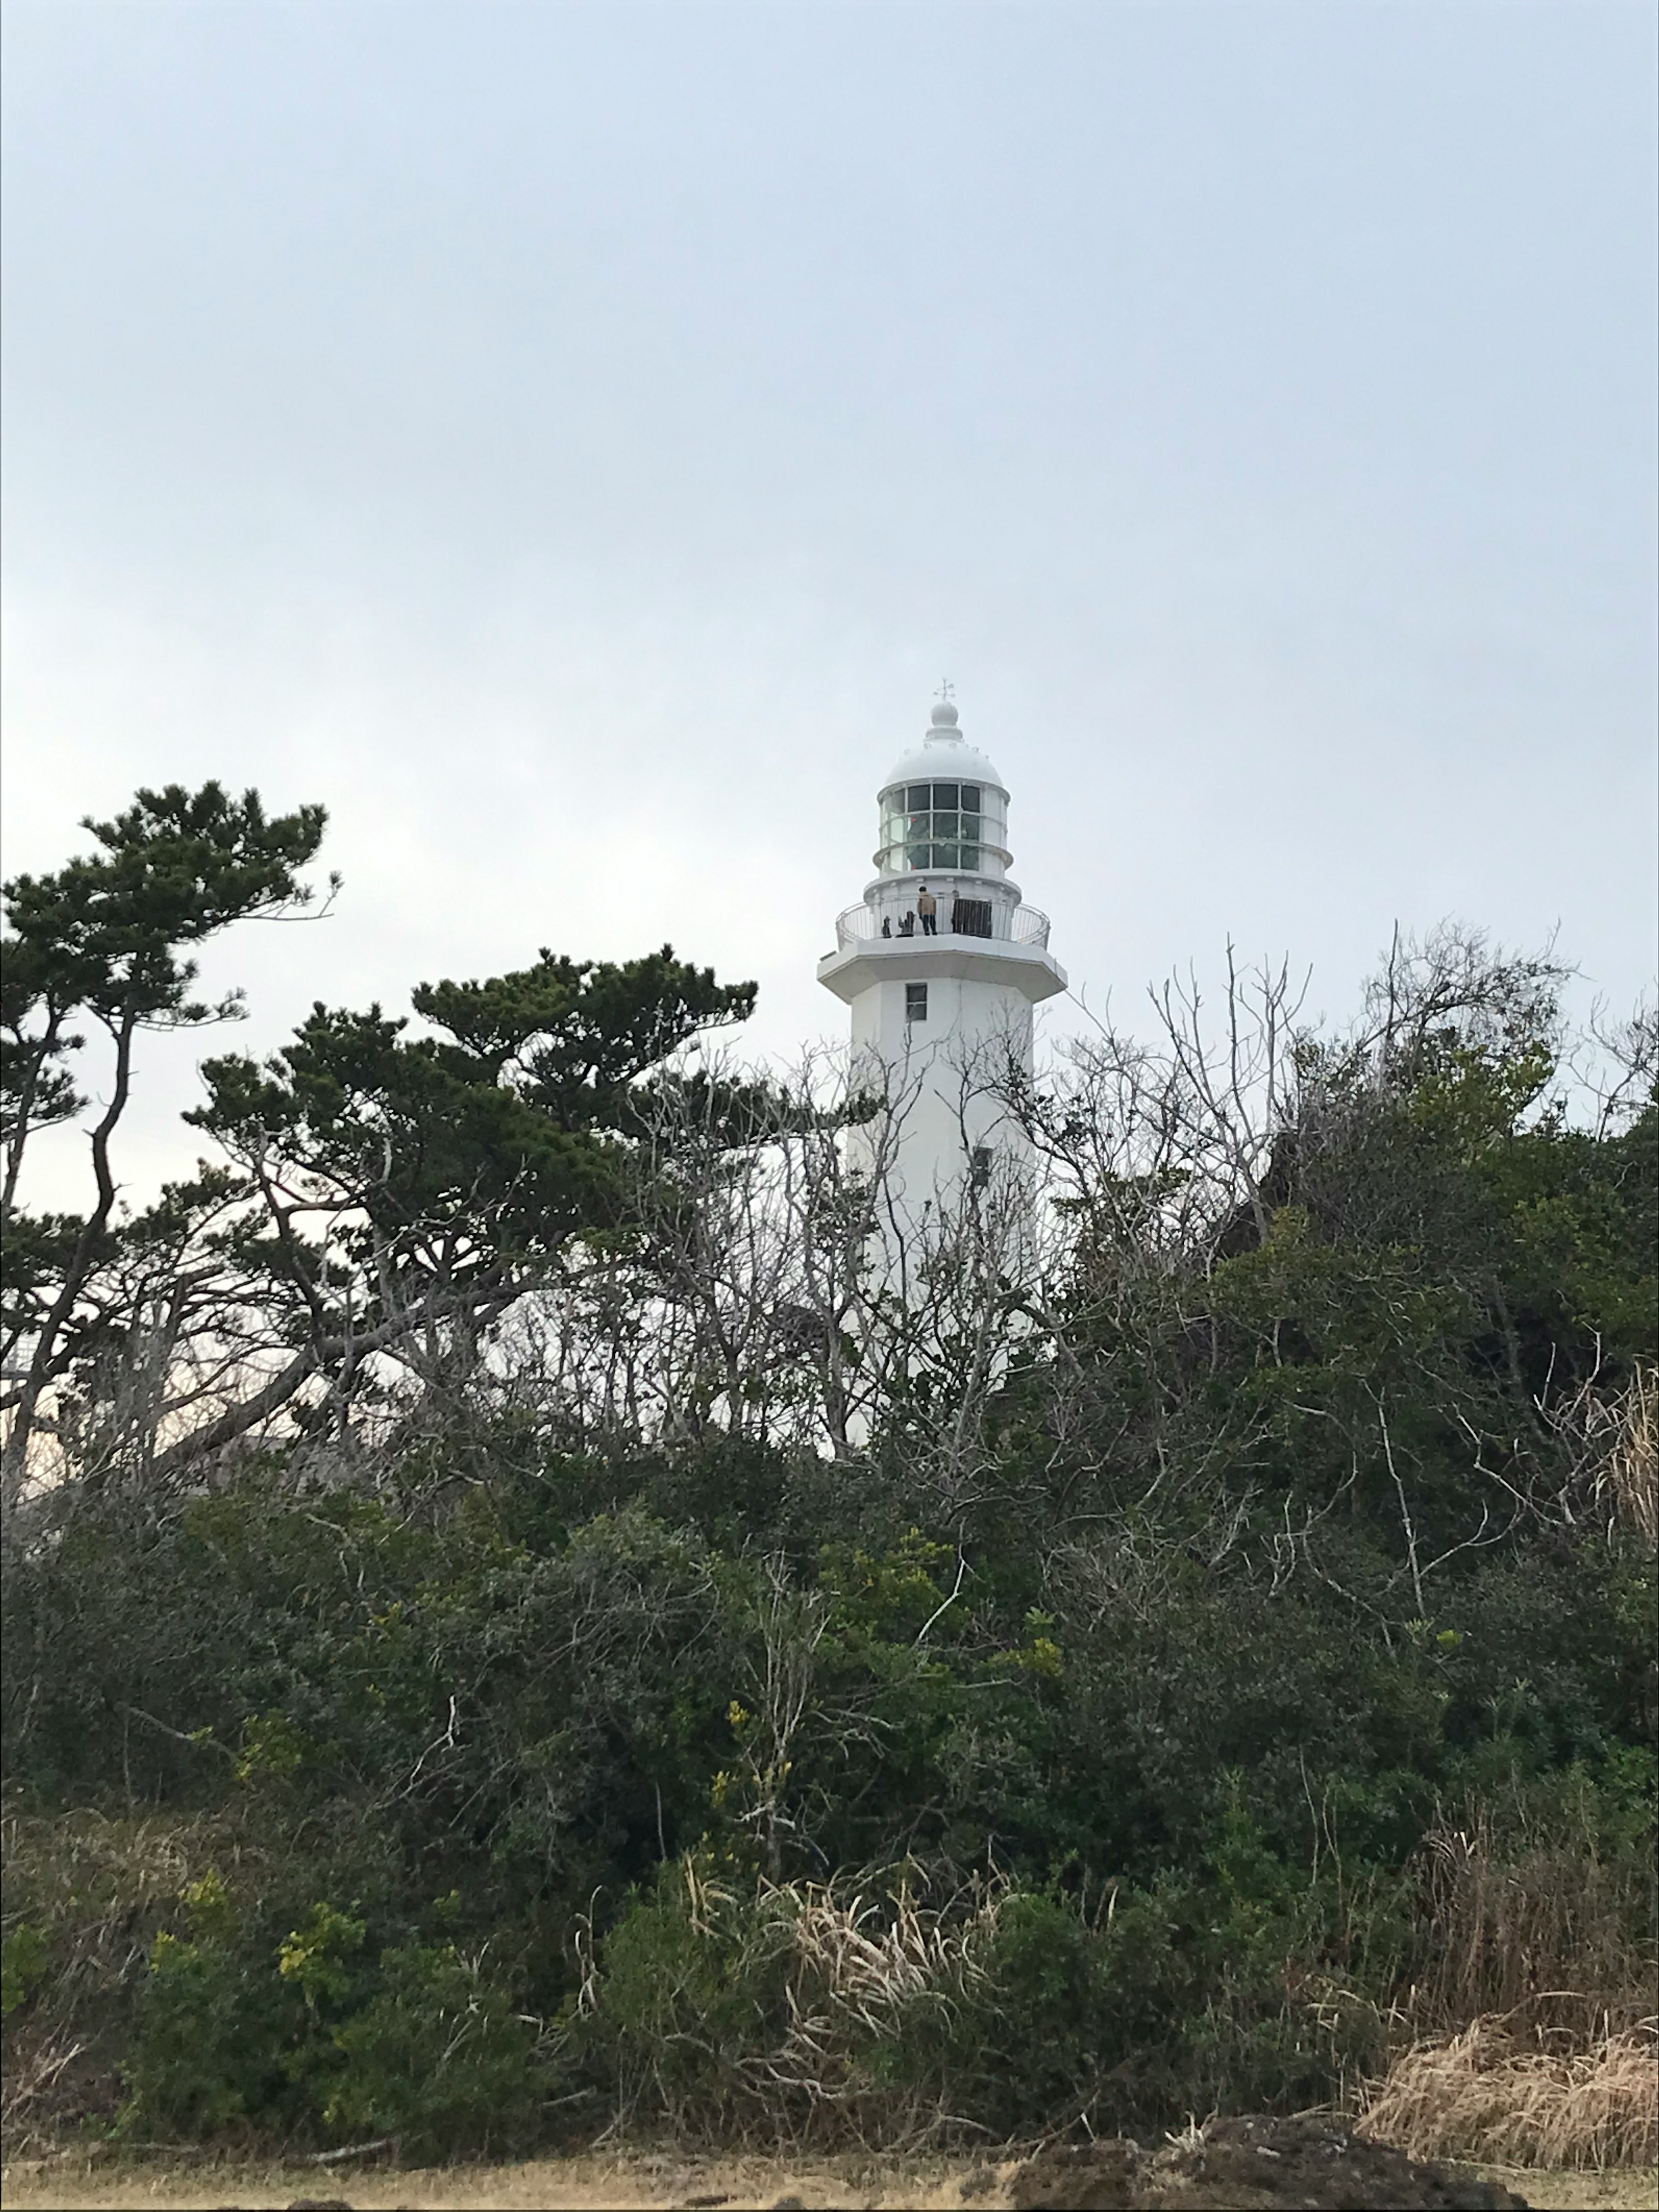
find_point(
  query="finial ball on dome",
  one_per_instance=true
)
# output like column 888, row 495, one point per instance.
column 945, row 715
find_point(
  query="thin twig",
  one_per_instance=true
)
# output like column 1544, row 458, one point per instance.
column 351, row 2150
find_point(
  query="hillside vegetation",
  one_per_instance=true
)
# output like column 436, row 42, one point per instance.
column 517, row 1625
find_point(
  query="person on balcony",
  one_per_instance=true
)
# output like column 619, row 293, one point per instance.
column 886, row 925
column 907, row 925
column 927, row 908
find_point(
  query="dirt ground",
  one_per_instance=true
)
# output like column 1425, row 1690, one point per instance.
column 641, row 2180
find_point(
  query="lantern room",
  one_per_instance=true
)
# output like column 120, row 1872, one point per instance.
column 944, row 808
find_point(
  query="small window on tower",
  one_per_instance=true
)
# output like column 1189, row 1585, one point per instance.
column 915, row 1002
column 970, row 798
column 981, row 1172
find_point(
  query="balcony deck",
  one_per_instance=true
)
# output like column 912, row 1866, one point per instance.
column 1021, row 925
column 1013, row 953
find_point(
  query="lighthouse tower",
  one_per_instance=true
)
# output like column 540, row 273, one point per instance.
column 941, row 1001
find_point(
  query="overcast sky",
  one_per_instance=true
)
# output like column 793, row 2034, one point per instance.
column 573, row 443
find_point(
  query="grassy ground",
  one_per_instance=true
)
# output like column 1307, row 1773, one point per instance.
column 637, row 2179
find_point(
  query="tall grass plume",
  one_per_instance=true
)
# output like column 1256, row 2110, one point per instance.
column 1487, row 2095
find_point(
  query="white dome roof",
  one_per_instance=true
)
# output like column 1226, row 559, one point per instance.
column 944, row 754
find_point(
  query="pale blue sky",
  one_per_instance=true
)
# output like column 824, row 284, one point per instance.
column 573, row 443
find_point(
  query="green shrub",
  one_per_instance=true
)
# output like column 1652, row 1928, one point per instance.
column 213, row 2049
column 324, row 2037
column 436, row 2057
column 691, row 1989
column 22, row 1967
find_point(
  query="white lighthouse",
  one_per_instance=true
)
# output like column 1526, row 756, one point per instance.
column 942, row 999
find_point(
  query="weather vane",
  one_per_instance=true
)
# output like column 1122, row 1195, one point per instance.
column 947, row 690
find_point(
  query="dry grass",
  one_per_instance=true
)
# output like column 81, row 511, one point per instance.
column 1537, row 1926
column 1615, row 1443
column 855, row 1964
column 858, row 1963
column 582, row 2183
column 588, row 2183
column 1633, row 1465
column 1621, row 2188
column 1483, row 2095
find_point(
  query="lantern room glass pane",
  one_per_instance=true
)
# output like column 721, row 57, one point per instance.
column 955, row 826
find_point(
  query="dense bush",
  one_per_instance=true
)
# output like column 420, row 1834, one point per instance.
column 1223, row 1835
column 323, row 2035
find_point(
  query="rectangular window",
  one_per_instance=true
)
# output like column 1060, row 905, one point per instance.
column 970, row 798
column 944, row 856
column 970, row 860
column 919, row 856
column 980, row 1173
column 945, row 795
column 915, row 1002
column 944, row 825
column 917, row 797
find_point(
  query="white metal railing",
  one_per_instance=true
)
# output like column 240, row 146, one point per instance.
column 1020, row 925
